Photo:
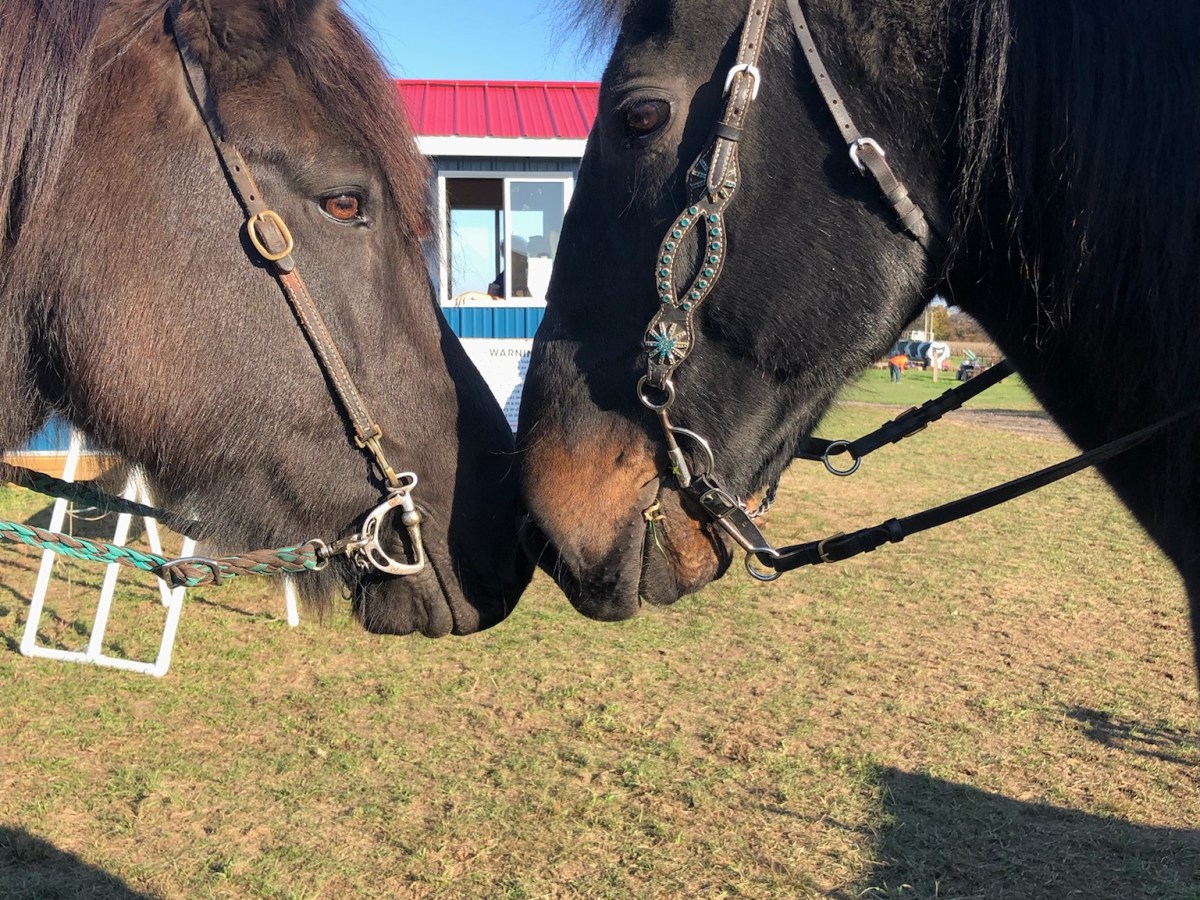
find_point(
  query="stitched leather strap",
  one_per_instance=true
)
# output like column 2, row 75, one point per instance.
column 843, row 546
column 742, row 90
column 271, row 238
column 865, row 151
column 907, row 423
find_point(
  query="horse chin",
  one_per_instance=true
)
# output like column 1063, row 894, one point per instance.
column 431, row 604
column 656, row 562
column 684, row 551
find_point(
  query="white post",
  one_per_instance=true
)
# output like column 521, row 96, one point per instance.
column 38, row 601
column 172, row 598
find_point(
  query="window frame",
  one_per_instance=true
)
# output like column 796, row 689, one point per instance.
column 506, row 176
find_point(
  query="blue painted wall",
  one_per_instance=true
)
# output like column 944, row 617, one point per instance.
column 54, row 438
column 513, row 322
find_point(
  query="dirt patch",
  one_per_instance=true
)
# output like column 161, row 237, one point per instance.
column 1012, row 420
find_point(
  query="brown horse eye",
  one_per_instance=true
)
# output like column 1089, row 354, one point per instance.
column 645, row 117
column 343, row 207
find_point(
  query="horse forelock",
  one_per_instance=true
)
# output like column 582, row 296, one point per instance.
column 595, row 20
column 344, row 74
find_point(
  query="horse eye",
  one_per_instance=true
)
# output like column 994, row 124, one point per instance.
column 343, row 207
column 645, row 117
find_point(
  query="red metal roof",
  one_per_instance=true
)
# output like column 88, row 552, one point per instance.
column 507, row 109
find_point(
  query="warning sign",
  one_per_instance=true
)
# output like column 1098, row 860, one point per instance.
column 503, row 364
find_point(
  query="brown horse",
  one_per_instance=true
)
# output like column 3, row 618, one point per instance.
column 133, row 303
column 1045, row 142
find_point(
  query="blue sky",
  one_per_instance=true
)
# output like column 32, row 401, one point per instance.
column 521, row 40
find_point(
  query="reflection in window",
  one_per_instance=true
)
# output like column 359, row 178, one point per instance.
column 494, row 259
column 537, row 217
column 475, row 229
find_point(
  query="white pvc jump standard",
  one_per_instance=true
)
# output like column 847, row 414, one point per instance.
column 172, row 599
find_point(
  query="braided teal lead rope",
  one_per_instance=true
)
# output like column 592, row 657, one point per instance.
column 190, row 572
column 86, row 493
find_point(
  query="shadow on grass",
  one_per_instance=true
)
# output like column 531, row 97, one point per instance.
column 32, row 868
column 949, row 840
column 1157, row 741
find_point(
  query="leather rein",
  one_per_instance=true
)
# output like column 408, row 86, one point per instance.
column 712, row 182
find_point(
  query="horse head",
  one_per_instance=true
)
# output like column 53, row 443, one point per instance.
column 804, row 275
column 138, row 307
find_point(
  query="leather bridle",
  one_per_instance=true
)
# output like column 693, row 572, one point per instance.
column 712, row 183
column 272, row 241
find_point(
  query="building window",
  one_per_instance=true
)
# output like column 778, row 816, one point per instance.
column 501, row 238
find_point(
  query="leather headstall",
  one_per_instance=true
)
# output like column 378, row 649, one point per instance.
column 272, row 241
column 712, row 183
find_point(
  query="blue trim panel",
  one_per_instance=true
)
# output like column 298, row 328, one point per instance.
column 55, row 437
column 503, row 322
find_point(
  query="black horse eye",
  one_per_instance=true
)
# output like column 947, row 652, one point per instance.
column 645, row 117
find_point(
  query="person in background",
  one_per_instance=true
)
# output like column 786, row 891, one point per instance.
column 896, row 366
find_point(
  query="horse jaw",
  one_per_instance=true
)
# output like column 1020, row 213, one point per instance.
column 625, row 541
column 441, row 599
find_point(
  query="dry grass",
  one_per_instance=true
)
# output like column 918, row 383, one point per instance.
column 1005, row 709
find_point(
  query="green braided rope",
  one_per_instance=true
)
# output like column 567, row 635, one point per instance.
column 86, row 493
column 192, row 572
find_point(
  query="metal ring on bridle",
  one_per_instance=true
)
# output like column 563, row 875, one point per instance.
column 758, row 574
column 668, row 388
column 835, row 448
column 864, row 142
column 750, row 70
column 323, row 554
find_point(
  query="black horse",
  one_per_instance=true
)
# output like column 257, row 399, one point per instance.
column 133, row 303
column 1049, row 147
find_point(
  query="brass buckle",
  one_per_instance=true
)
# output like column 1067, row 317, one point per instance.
column 269, row 215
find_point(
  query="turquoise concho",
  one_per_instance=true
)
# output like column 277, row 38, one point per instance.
column 667, row 343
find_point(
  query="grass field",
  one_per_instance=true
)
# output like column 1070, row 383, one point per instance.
column 1003, row 709
column 918, row 386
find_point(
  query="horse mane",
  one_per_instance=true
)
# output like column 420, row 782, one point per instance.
column 1077, row 121
column 47, row 56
